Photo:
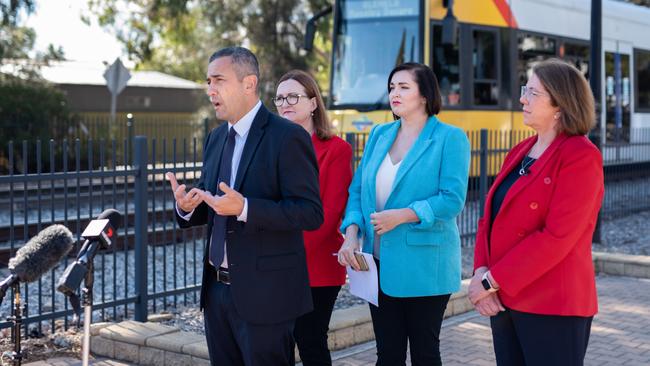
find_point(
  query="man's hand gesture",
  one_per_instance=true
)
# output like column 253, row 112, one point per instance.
column 230, row 203
column 186, row 201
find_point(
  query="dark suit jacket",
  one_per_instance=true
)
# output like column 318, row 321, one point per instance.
column 278, row 174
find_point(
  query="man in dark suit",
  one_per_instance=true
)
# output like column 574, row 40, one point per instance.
column 258, row 191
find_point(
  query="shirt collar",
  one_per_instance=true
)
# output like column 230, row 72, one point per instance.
column 244, row 124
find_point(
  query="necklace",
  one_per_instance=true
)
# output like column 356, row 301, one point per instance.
column 525, row 164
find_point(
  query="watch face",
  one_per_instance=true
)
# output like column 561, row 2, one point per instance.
column 486, row 284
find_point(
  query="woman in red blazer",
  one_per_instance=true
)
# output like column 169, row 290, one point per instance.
column 298, row 99
column 532, row 262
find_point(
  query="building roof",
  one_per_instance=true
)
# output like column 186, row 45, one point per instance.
column 85, row 73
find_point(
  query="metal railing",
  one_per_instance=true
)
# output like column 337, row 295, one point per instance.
column 627, row 172
column 153, row 265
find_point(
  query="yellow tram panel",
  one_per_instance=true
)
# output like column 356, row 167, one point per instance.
column 494, row 13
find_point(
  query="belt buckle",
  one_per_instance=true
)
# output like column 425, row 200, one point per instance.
column 223, row 276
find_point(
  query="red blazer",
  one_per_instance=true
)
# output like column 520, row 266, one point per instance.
column 538, row 248
column 335, row 174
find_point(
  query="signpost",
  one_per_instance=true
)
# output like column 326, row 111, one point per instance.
column 116, row 78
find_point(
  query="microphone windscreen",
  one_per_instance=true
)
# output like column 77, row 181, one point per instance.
column 114, row 217
column 41, row 253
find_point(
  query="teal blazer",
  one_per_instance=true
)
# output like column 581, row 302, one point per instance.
column 417, row 259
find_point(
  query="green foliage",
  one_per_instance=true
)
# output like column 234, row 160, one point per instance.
column 178, row 36
column 10, row 10
column 29, row 110
column 16, row 41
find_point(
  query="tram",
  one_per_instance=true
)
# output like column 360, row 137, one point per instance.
column 483, row 56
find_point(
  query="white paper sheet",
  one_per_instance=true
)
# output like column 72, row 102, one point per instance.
column 364, row 284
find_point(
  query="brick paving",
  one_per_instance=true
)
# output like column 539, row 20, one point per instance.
column 74, row 362
column 620, row 335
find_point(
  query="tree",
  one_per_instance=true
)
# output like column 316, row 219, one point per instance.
column 10, row 10
column 30, row 108
column 178, row 36
column 17, row 41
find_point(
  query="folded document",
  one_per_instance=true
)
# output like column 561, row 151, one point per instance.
column 364, row 284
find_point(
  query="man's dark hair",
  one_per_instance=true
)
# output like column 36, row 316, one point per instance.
column 427, row 83
column 243, row 60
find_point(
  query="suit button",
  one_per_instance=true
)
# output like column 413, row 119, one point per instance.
column 533, row 205
column 230, row 231
column 547, row 180
column 521, row 233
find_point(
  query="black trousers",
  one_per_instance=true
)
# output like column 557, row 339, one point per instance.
column 532, row 339
column 232, row 341
column 311, row 329
column 415, row 321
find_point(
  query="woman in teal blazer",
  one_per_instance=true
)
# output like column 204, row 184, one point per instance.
column 404, row 199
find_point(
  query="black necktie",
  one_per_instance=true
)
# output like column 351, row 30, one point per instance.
column 218, row 238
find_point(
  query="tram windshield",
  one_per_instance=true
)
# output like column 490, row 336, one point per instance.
column 371, row 38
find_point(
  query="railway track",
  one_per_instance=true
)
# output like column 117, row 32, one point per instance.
column 162, row 230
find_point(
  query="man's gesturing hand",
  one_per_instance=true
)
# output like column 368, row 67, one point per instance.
column 230, row 203
column 186, row 201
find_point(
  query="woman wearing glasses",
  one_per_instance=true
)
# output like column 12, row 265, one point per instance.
column 298, row 99
column 533, row 269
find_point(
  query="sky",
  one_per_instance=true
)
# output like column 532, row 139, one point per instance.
column 59, row 22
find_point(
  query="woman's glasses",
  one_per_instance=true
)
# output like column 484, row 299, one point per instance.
column 292, row 99
column 527, row 92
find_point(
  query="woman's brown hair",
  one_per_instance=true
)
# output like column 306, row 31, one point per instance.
column 569, row 91
column 322, row 126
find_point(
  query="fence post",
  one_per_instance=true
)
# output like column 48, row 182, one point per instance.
column 206, row 127
column 350, row 137
column 141, row 175
column 483, row 164
column 129, row 144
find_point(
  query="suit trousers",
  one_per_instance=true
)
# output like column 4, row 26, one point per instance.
column 232, row 341
column 533, row 339
column 311, row 328
column 412, row 321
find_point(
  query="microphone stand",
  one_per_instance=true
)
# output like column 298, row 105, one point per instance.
column 88, row 305
column 16, row 356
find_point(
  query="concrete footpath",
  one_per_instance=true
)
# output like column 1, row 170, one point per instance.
column 620, row 334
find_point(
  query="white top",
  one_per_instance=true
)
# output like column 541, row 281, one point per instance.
column 384, row 181
column 384, row 185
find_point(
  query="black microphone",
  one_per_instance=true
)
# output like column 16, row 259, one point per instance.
column 99, row 233
column 103, row 228
column 37, row 256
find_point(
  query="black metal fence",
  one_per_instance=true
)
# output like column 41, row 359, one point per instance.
column 627, row 173
column 154, row 265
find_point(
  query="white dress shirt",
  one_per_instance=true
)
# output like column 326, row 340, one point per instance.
column 242, row 127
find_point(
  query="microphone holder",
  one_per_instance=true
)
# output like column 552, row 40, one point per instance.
column 82, row 269
column 87, row 301
column 16, row 356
